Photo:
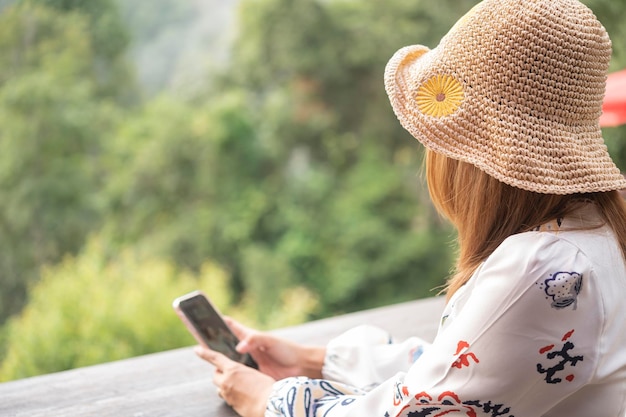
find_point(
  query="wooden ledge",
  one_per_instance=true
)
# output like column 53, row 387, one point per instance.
column 176, row 382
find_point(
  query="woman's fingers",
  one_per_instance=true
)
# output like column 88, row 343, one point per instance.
column 239, row 329
column 243, row 388
column 215, row 358
column 249, row 339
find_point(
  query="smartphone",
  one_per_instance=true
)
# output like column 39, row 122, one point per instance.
column 207, row 326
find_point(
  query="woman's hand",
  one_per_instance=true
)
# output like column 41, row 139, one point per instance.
column 243, row 388
column 246, row 389
column 277, row 357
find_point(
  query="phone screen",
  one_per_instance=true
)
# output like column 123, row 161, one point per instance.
column 207, row 326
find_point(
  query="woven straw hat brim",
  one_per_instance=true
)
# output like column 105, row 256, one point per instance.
column 503, row 92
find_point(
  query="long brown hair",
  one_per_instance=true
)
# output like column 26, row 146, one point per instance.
column 486, row 211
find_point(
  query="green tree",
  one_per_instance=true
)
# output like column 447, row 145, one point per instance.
column 315, row 73
column 187, row 183
column 184, row 178
column 104, row 305
column 51, row 127
column 108, row 38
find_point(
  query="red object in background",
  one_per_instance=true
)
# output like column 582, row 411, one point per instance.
column 614, row 104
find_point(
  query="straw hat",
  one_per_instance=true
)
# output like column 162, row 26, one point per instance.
column 515, row 88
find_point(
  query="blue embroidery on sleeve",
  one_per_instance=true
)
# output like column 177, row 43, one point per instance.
column 563, row 288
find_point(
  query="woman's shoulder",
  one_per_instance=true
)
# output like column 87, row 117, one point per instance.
column 534, row 247
column 530, row 259
column 582, row 232
column 592, row 247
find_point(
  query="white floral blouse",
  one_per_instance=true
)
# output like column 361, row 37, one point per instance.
column 539, row 330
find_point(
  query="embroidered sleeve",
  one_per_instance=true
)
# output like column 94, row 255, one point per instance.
column 524, row 338
column 302, row 396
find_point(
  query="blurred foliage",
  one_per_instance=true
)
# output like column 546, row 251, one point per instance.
column 51, row 128
column 286, row 180
column 105, row 31
column 172, row 41
column 349, row 237
column 101, row 306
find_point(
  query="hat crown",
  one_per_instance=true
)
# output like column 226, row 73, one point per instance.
column 547, row 58
column 515, row 88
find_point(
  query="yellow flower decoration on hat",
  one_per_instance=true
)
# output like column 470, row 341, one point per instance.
column 439, row 96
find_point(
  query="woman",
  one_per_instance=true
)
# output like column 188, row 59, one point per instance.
column 507, row 106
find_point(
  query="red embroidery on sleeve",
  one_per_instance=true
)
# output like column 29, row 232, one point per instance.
column 559, row 360
column 449, row 394
column 422, row 395
column 463, row 359
column 460, row 346
column 449, row 403
column 546, row 349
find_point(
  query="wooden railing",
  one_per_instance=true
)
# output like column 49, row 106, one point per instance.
column 176, row 382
